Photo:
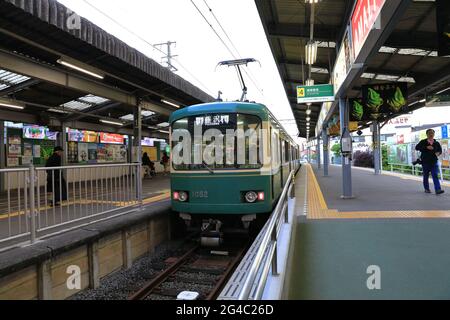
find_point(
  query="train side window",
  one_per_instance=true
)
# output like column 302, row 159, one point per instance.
column 275, row 149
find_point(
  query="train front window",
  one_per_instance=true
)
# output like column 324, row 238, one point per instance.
column 216, row 141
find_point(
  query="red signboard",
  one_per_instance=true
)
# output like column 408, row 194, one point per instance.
column 111, row 138
column 364, row 16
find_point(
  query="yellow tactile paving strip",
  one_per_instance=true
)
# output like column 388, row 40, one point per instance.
column 318, row 209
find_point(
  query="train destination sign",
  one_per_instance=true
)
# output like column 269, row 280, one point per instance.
column 316, row 93
column 212, row 120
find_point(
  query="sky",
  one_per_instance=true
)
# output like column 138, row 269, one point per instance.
column 146, row 22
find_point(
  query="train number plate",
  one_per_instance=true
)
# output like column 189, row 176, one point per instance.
column 200, row 194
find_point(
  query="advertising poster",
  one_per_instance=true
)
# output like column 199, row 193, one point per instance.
column 89, row 136
column 46, row 152
column 83, row 152
column 92, row 153
column 38, row 132
column 34, row 132
column 111, row 138
column 101, row 153
column 12, row 162
column 14, row 140
column 398, row 154
column 379, row 101
column 37, row 151
column 72, row 152
column 74, row 135
column 121, row 155
column 110, row 151
column 445, row 154
column 14, row 149
column 26, row 160
column 27, row 149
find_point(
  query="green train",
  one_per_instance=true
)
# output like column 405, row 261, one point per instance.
column 252, row 156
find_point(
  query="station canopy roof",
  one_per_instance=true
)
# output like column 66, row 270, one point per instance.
column 36, row 37
column 408, row 55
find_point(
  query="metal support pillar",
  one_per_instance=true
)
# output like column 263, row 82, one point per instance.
column 137, row 146
column 2, row 154
column 346, row 160
column 376, row 147
column 325, row 153
column 62, row 142
column 318, row 151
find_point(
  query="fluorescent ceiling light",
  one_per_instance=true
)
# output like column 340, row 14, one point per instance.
column 12, row 105
column 112, row 122
column 70, row 65
column 163, row 124
column 170, row 103
column 422, row 101
column 443, row 90
column 309, row 82
column 57, row 110
column 163, row 131
column 311, row 52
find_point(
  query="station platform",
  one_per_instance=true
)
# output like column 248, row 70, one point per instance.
column 388, row 195
column 389, row 242
column 155, row 189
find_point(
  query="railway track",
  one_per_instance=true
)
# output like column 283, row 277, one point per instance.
column 200, row 269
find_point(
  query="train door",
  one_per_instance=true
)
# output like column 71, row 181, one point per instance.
column 276, row 167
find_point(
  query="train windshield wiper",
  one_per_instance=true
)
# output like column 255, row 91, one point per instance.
column 206, row 166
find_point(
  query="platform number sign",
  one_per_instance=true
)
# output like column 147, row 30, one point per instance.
column 315, row 93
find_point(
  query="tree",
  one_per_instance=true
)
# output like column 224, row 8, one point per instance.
column 336, row 149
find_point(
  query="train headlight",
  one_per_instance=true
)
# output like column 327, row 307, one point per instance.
column 182, row 196
column 251, row 196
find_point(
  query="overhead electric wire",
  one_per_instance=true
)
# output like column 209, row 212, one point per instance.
column 223, row 42
column 153, row 46
column 251, row 75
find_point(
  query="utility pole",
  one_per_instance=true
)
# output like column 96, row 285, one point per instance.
column 169, row 55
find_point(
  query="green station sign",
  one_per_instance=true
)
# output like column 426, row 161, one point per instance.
column 316, row 93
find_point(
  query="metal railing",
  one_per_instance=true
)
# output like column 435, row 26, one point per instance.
column 38, row 201
column 266, row 256
column 444, row 173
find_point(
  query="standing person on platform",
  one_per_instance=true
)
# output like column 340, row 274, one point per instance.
column 148, row 164
column 55, row 179
column 165, row 162
column 430, row 150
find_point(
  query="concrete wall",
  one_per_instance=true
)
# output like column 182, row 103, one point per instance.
column 44, row 275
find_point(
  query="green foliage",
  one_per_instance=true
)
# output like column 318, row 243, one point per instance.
column 336, row 149
column 384, row 156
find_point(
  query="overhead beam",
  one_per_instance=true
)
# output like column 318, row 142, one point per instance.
column 383, row 71
column 19, row 64
column 399, row 39
column 92, row 110
column 429, row 82
column 19, row 87
column 28, row 67
column 300, row 30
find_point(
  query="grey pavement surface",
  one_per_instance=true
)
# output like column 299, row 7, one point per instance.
column 378, row 192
